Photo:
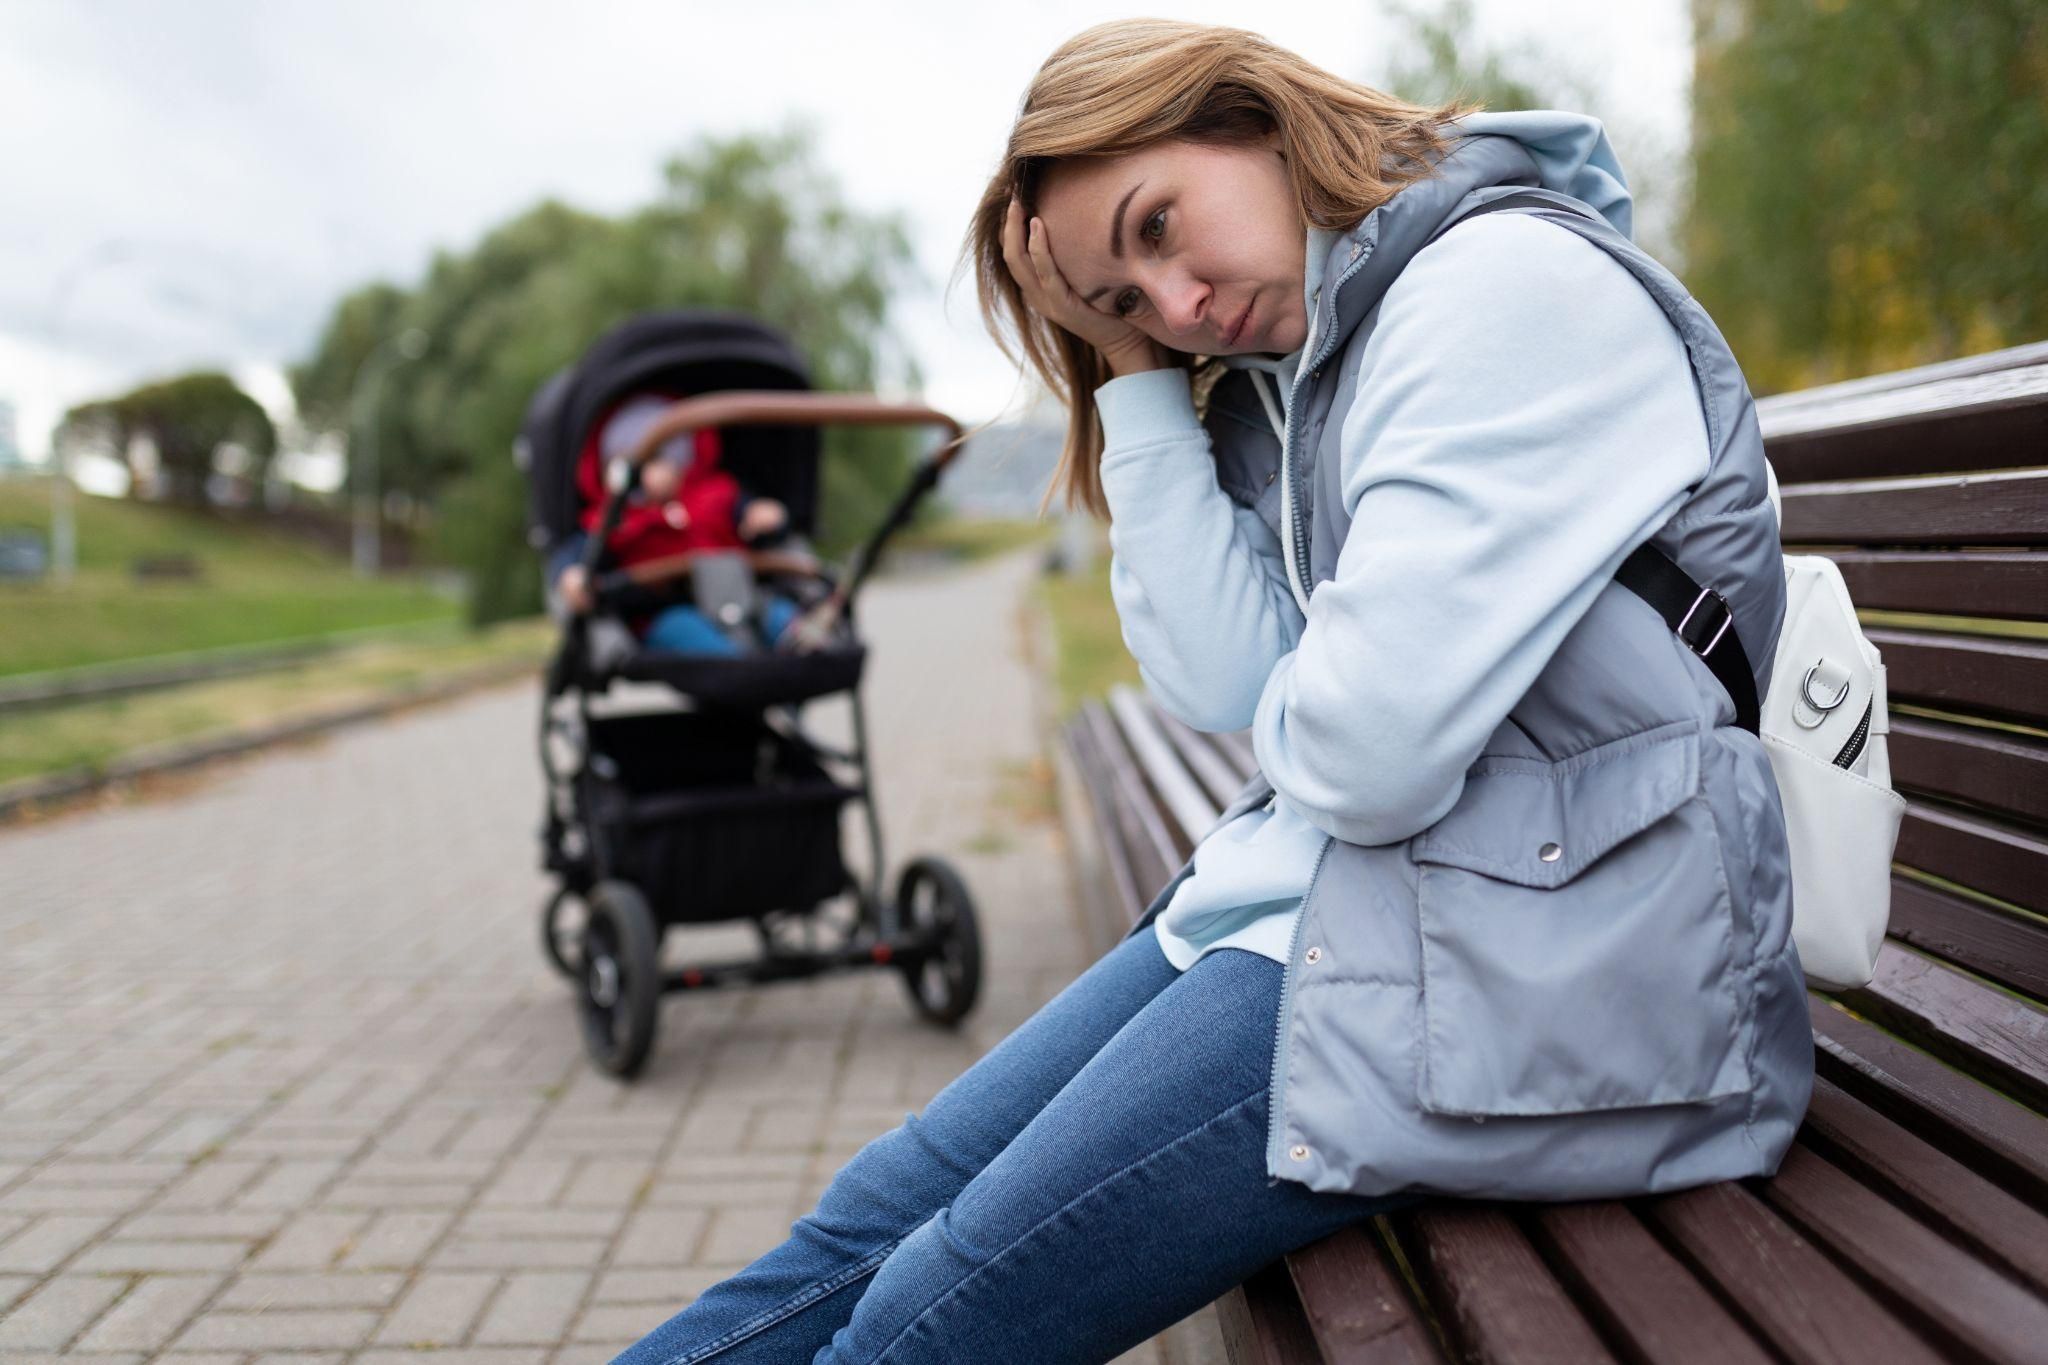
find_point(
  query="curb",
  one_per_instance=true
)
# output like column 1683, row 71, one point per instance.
column 94, row 682
column 29, row 795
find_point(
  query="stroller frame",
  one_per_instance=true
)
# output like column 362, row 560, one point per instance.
column 926, row 930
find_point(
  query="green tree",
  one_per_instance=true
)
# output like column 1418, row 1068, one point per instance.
column 1442, row 56
column 1870, row 181
column 746, row 223
column 190, row 420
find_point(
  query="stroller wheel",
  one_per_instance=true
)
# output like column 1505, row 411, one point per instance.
column 561, row 934
column 621, row 974
column 931, row 898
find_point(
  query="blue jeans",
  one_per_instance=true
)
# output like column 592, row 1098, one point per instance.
column 1097, row 1176
column 686, row 630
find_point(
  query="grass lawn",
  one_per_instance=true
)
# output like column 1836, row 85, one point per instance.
column 255, row 586
column 50, row 740
column 1087, row 636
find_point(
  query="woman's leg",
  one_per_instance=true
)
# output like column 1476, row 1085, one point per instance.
column 786, row 1305
column 1136, row 1196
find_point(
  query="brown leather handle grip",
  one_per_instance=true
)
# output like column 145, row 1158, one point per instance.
column 777, row 408
column 652, row 571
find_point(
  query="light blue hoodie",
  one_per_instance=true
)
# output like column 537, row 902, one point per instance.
column 1511, row 362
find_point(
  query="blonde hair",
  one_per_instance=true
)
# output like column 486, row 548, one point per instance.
column 1120, row 87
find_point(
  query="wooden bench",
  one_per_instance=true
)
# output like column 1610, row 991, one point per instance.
column 1907, row 1223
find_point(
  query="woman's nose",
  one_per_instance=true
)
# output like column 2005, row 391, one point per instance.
column 1184, row 303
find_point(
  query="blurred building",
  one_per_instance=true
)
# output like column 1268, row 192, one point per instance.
column 1004, row 470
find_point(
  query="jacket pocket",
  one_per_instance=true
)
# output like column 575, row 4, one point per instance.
column 1577, row 936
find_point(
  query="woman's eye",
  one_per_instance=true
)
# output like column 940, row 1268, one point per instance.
column 1155, row 226
column 1127, row 301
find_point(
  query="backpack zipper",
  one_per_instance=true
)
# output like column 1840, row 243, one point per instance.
column 1854, row 747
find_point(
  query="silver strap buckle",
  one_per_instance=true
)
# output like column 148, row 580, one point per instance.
column 1727, row 620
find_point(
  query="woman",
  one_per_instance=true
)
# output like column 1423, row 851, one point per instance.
column 1508, row 907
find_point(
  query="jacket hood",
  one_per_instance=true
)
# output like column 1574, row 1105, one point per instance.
column 1572, row 156
column 1532, row 148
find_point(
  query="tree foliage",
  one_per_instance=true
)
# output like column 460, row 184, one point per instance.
column 746, row 223
column 1870, row 184
column 189, row 420
column 1443, row 56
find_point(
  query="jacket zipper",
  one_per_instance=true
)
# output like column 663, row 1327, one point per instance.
column 1275, row 1111
column 1311, row 366
column 1854, row 748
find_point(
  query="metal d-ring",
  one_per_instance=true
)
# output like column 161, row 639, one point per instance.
column 1806, row 691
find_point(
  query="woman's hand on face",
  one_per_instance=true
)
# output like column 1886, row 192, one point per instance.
column 1028, row 252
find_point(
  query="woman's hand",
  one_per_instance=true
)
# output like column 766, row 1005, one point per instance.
column 1028, row 253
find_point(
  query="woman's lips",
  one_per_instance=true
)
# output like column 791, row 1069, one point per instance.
column 1237, row 328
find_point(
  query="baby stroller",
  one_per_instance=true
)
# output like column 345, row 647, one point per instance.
column 718, row 806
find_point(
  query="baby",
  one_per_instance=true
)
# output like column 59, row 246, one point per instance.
column 685, row 501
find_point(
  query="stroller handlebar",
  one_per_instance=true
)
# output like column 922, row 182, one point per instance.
column 772, row 407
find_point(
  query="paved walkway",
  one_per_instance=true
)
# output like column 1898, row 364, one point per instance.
column 283, row 1075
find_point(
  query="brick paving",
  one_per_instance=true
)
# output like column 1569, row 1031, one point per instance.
column 283, row 1076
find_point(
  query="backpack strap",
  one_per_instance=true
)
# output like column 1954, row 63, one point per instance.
column 1701, row 619
column 1505, row 202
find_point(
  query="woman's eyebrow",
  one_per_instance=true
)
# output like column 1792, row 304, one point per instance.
column 1116, row 234
column 1116, row 224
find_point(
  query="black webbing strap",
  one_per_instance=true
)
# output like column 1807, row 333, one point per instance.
column 1700, row 618
column 1506, row 201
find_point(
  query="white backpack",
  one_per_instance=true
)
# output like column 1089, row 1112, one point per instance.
column 1824, row 724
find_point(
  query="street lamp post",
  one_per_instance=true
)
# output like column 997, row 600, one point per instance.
column 63, row 520
column 367, row 543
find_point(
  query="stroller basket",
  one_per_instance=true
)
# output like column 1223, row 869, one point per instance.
column 751, row 680
column 714, row 815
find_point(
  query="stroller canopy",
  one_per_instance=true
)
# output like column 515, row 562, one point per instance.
column 684, row 352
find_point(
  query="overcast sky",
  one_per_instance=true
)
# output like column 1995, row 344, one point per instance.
column 196, row 183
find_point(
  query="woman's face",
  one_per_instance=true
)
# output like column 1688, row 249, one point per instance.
column 1199, row 247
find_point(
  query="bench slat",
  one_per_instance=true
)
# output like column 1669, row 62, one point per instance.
column 1803, row 1303
column 1827, row 395
column 1934, row 1185
column 1976, row 851
column 1970, row 509
column 1984, row 419
column 2012, row 585
column 1977, row 1310
column 1495, row 1296
column 1262, row 1322
column 1216, row 773
column 2008, row 949
column 1152, row 853
column 1976, row 1125
column 1129, row 897
column 1989, row 1034
column 1237, row 746
column 1644, row 1296
column 1357, row 1306
column 1999, row 771
column 1962, row 673
column 1192, row 811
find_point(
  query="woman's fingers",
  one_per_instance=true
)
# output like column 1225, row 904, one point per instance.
column 1027, row 251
